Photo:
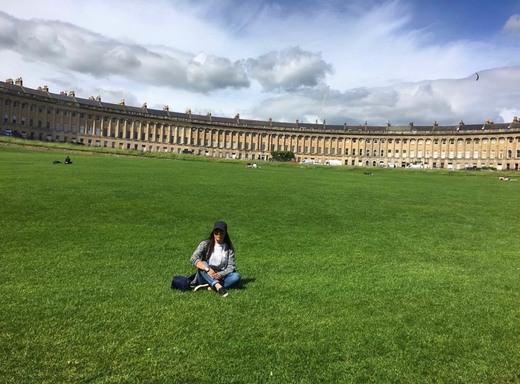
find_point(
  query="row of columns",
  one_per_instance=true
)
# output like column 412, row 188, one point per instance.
column 242, row 139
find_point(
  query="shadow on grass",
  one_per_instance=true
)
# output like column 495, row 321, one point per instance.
column 243, row 283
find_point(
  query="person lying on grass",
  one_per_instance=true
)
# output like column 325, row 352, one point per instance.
column 215, row 261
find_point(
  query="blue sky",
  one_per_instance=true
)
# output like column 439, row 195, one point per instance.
column 344, row 61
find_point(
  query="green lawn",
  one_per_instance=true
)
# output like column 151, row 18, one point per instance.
column 397, row 277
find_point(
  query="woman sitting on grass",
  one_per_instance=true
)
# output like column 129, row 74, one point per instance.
column 215, row 260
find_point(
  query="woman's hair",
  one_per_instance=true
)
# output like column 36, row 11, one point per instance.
column 211, row 245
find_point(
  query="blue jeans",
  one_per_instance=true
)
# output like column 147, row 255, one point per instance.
column 230, row 279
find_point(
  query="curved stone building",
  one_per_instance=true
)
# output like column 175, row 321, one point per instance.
column 38, row 114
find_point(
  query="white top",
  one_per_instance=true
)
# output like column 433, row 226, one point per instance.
column 218, row 256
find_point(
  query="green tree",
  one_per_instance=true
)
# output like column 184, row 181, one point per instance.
column 282, row 155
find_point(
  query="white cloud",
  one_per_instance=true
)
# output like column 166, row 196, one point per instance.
column 512, row 25
column 77, row 49
column 290, row 69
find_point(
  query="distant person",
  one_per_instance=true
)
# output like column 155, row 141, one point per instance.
column 68, row 160
column 215, row 261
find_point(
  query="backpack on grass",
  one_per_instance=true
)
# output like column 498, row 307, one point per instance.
column 182, row 283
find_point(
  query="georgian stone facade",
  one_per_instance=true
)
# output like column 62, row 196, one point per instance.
column 38, row 114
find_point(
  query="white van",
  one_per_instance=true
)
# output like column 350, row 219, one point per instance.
column 333, row 162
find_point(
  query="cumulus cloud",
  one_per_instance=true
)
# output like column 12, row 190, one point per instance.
column 72, row 48
column 444, row 101
column 78, row 49
column 512, row 25
column 8, row 32
column 289, row 69
column 211, row 72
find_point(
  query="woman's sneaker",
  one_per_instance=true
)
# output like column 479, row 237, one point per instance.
column 200, row 287
column 222, row 292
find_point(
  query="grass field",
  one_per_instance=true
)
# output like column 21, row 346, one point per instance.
column 398, row 277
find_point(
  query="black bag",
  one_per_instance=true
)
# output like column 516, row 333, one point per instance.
column 182, row 282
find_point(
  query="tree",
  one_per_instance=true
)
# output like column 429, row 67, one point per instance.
column 282, row 155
